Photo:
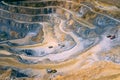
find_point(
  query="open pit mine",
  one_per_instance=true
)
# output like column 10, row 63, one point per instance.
column 59, row 39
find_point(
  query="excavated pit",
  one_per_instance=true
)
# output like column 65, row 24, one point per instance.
column 43, row 34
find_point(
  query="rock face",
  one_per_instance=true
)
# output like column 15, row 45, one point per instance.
column 74, row 39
